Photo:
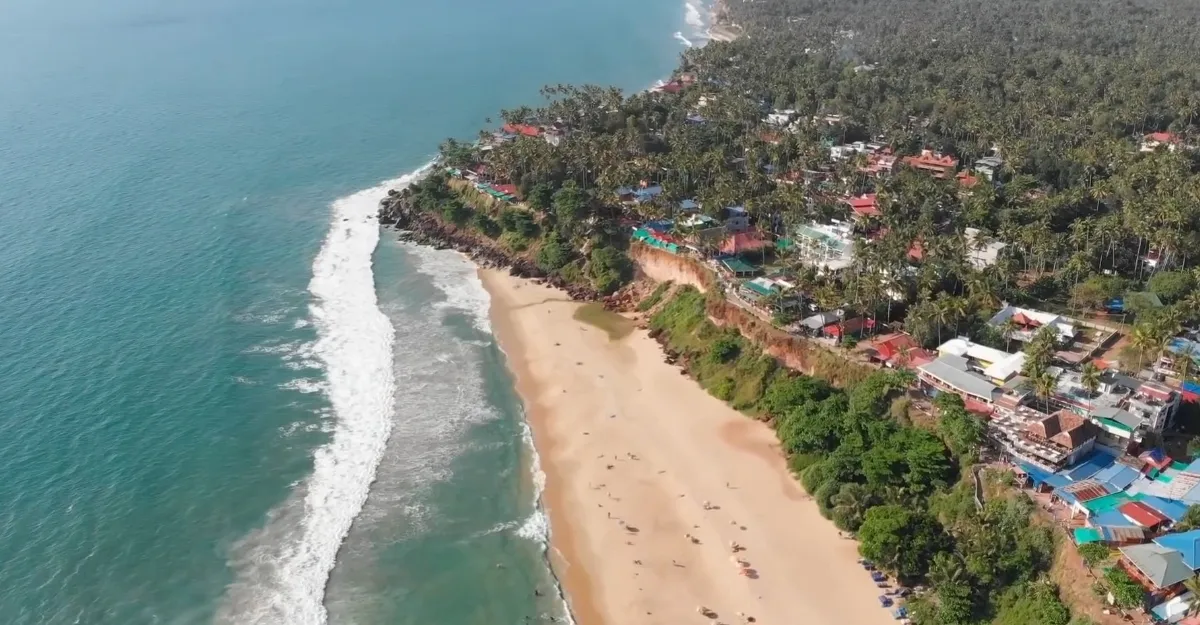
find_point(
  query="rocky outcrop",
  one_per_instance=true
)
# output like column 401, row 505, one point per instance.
column 398, row 211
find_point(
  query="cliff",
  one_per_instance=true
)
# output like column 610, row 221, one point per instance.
column 399, row 211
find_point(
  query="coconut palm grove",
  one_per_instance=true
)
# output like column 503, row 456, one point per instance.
column 944, row 248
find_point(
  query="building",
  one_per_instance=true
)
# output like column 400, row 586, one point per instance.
column 879, row 164
column 841, row 152
column 939, row 165
column 1028, row 322
column 525, row 130
column 1074, row 434
column 643, row 193
column 1155, row 140
column 953, row 374
column 780, row 118
column 736, row 218
column 982, row 252
column 864, row 206
column 1160, row 570
column 997, row 366
column 988, row 166
column 829, row 247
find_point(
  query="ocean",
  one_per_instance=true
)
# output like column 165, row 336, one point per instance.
column 227, row 396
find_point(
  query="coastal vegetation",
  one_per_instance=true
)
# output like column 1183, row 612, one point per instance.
column 899, row 488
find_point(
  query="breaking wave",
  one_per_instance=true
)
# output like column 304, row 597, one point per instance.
column 281, row 569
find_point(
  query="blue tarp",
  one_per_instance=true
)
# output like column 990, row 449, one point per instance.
column 1038, row 476
column 1089, row 466
column 1117, row 477
column 1191, row 387
column 1169, row 508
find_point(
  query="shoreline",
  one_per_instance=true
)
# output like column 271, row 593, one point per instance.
column 630, row 448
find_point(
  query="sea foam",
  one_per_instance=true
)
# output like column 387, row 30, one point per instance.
column 282, row 569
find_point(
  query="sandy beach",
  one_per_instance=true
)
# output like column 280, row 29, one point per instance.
column 650, row 480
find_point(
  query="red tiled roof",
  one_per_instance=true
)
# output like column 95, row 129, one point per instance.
column 931, row 159
column 966, row 179
column 864, row 205
column 742, row 242
column 510, row 189
column 1163, row 137
column 672, row 87
column 977, row 407
column 1024, row 320
column 522, row 129
column 1142, row 514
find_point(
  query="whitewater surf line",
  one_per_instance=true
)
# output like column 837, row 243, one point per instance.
column 282, row 569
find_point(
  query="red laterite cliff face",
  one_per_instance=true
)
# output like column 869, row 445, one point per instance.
column 793, row 352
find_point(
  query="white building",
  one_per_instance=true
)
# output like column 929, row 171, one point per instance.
column 827, row 246
column 982, row 253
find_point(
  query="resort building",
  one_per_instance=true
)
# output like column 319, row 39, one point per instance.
column 830, row 247
column 1028, row 322
column 939, row 165
column 863, row 206
column 995, row 365
column 954, row 374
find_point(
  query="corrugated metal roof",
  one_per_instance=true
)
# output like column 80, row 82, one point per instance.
column 952, row 370
column 1142, row 514
column 1161, row 565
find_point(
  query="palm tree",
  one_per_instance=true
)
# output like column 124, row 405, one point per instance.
column 1193, row 585
column 850, row 505
column 1008, row 328
column 1089, row 377
column 1144, row 338
column 1043, row 386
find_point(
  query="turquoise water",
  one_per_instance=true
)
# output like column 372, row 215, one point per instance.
column 202, row 370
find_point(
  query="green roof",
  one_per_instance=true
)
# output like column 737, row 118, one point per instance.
column 758, row 288
column 738, row 265
column 1106, row 503
column 816, row 235
column 1115, row 424
column 1179, row 466
column 1085, row 535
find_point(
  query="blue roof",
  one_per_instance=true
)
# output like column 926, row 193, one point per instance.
column 1186, row 543
column 688, row 205
column 1055, row 480
column 1194, row 467
column 1110, row 518
column 1038, row 476
column 1117, row 477
column 1089, row 466
column 1170, row 508
column 1065, row 496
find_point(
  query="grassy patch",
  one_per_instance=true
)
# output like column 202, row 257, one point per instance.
column 654, row 297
